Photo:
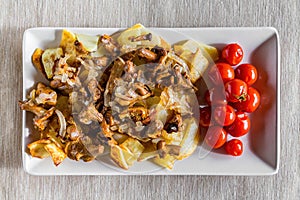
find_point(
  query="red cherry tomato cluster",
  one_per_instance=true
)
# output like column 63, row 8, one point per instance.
column 229, row 101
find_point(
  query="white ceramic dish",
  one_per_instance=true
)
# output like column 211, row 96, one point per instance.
column 261, row 153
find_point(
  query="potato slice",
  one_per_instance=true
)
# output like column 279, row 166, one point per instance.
column 67, row 42
column 167, row 162
column 210, row 52
column 57, row 154
column 134, row 146
column 120, row 156
column 48, row 59
column 37, row 60
column 190, row 139
column 37, row 148
column 197, row 63
column 172, row 138
column 89, row 42
column 126, row 153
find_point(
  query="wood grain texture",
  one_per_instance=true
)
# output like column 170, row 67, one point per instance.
column 16, row 16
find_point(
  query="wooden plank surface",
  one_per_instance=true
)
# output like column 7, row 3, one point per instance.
column 17, row 16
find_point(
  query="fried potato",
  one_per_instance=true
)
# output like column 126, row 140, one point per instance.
column 57, row 154
column 210, row 52
column 197, row 63
column 190, row 139
column 67, row 42
column 37, row 60
column 120, row 156
column 167, row 162
column 134, row 146
column 126, row 153
column 37, row 148
column 89, row 42
column 48, row 59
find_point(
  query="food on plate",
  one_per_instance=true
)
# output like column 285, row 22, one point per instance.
column 224, row 115
column 228, row 101
column 221, row 72
column 240, row 126
column 130, row 93
column 216, row 137
column 234, row 147
column 215, row 96
column 247, row 73
column 251, row 103
column 205, row 116
column 236, row 90
column 233, row 53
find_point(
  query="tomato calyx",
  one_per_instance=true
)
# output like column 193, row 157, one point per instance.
column 242, row 97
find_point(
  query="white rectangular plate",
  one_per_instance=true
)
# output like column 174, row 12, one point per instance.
column 261, row 144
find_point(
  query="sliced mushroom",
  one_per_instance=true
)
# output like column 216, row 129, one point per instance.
column 90, row 114
column 45, row 95
column 141, row 37
column 31, row 107
column 147, row 54
column 142, row 89
column 42, row 121
column 94, row 89
column 109, row 44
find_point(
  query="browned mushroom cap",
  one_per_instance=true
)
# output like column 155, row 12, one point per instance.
column 42, row 115
column 147, row 54
column 31, row 107
column 161, row 53
column 109, row 44
column 141, row 37
column 142, row 89
column 45, row 95
column 42, row 121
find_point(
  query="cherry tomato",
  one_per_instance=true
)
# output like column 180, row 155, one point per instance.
column 251, row 103
column 216, row 136
column 205, row 116
column 233, row 53
column 215, row 96
column 234, row 147
column 247, row 73
column 236, row 90
column 240, row 126
column 224, row 115
column 221, row 73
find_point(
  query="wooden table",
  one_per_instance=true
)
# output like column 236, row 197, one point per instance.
column 17, row 16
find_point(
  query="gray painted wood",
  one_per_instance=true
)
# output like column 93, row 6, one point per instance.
column 16, row 16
